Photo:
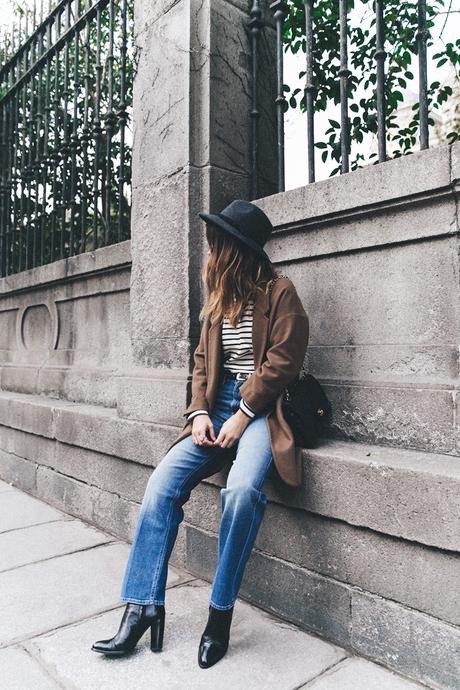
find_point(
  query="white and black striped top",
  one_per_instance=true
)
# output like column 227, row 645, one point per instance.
column 237, row 342
column 237, row 350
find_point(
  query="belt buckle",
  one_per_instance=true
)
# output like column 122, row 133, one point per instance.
column 241, row 376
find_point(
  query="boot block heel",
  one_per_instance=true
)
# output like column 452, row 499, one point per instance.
column 156, row 634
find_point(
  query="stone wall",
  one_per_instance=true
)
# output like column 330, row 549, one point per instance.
column 60, row 333
column 96, row 353
column 374, row 255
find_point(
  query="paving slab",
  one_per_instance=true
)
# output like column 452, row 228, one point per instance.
column 46, row 540
column 62, row 590
column 355, row 673
column 20, row 671
column 18, row 510
column 265, row 652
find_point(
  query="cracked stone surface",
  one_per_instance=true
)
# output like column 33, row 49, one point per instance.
column 60, row 579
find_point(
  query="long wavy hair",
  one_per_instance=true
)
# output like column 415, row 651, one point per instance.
column 232, row 275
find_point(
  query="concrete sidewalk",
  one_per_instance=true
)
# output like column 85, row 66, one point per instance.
column 59, row 582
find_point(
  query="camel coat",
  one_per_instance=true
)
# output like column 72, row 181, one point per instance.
column 279, row 337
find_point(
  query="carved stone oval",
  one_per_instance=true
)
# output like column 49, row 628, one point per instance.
column 36, row 328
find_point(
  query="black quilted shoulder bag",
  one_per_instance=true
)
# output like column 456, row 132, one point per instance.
column 306, row 407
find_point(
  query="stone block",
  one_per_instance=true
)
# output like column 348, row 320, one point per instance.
column 364, row 188
column 162, row 40
column 115, row 514
column 419, row 418
column 404, row 296
column 411, row 642
column 160, row 336
column 27, row 446
column 179, row 553
column 20, row 472
column 396, row 569
column 101, row 430
column 106, row 510
column 28, row 413
column 321, row 234
column 106, row 472
column 455, row 162
column 158, row 398
column 404, row 493
column 203, row 509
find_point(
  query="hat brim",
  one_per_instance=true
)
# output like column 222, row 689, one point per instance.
column 223, row 225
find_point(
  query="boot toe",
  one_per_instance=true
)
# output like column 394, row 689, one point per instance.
column 107, row 647
column 100, row 645
column 210, row 652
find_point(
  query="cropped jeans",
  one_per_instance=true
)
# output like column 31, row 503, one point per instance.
column 169, row 487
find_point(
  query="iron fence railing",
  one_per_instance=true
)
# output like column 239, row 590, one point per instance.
column 65, row 104
column 280, row 10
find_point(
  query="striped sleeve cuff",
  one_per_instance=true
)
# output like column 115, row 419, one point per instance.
column 246, row 409
column 195, row 413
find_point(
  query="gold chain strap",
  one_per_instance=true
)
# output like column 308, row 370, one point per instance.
column 273, row 281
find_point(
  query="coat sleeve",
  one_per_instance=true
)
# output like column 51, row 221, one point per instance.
column 288, row 342
column 199, row 380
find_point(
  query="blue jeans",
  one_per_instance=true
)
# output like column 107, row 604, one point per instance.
column 169, row 487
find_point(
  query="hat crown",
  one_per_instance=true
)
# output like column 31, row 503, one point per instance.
column 249, row 219
column 245, row 221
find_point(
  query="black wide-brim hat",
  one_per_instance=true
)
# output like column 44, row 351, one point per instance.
column 245, row 221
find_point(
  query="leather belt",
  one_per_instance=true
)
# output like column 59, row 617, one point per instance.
column 239, row 375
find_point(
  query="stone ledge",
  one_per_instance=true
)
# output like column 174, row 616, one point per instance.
column 96, row 386
column 415, row 416
column 370, row 186
column 406, row 493
column 409, row 494
column 103, row 259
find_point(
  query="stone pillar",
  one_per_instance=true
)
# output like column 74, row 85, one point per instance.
column 191, row 152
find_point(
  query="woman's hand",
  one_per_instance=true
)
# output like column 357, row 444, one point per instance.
column 232, row 429
column 201, row 426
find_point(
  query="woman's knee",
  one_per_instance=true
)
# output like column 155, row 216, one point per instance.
column 159, row 487
column 242, row 492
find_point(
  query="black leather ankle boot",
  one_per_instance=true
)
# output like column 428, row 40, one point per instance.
column 215, row 638
column 137, row 618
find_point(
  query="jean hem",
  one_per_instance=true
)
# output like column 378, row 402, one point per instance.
column 221, row 608
column 132, row 600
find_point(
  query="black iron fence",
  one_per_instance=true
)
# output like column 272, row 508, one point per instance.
column 277, row 13
column 65, row 105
